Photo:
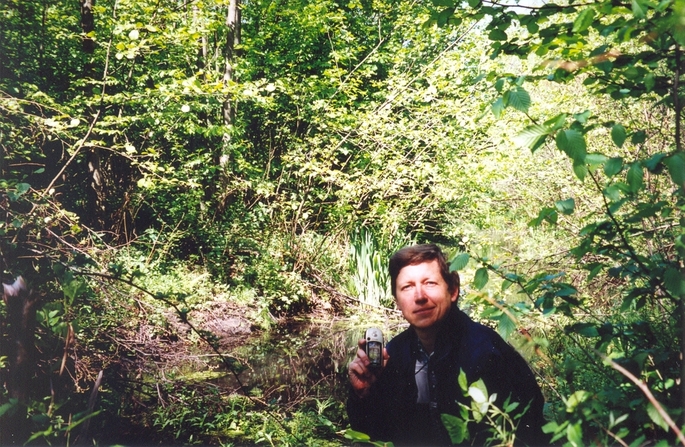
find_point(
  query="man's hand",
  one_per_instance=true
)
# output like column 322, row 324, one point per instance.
column 361, row 376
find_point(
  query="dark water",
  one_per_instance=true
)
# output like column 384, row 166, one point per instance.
column 294, row 365
column 301, row 359
column 296, row 360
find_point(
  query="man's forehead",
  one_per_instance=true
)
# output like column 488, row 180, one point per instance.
column 435, row 270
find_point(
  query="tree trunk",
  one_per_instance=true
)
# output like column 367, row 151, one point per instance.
column 19, row 333
column 232, row 41
column 87, row 25
column 228, row 106
column 97, row 198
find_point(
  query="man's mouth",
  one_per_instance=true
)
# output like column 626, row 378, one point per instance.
column 423, row 311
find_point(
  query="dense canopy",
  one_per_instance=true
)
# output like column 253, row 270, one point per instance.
column 187, row 186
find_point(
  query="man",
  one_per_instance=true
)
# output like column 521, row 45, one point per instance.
column 403, row 401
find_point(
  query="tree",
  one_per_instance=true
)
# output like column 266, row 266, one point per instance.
column 630, row 53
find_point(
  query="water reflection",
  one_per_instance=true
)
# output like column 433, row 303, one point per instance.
column 301, row 359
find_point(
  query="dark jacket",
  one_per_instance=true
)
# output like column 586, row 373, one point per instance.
column 390, row 412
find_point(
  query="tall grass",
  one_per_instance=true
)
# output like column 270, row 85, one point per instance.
column 370, row 279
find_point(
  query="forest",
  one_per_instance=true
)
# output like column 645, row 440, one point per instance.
column 199, row 199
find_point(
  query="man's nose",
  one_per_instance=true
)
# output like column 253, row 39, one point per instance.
column 418, row 294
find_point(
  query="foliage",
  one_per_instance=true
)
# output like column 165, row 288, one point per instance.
column 627, row 249
column 118, row 163
column 502, row 422
column 370, row 280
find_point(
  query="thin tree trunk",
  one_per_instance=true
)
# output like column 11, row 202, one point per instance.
column 87, row 25
column 20, row 350
column 229, row 105
column 232, row 41
column 96, row 187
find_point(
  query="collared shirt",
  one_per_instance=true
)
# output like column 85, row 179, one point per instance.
column 421, row 376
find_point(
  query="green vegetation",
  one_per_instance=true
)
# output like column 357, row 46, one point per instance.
column 200, row 198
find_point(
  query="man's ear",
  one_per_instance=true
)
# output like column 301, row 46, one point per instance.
column 455, row 295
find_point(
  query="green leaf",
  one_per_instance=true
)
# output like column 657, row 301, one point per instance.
column 580, row 170
column 519, row 99
column 456, row 428
column 497, row 107
column 459, row 262
column 584, row 329
column 639, row 8
column 674, row 281
column 596, row 159
column 463, row 384
column 584, row 20
column 634, row 177
column 582, row 117
column 639, row 137
column 480, row 278
column 656, row 417
column 557, row 122
column 572, row 142
column 356, row 436
column 497, row 35
column 676, row 168
column 545, row 215
column 10, row 406
column 72, row 289
column 613, row 166
column 445, row 15
column 22, row 188
column 653, row 163
column 505, row 326
column 618, row 134
column 574, row 434
column 532, row 137
column 565, row 206
column 478, row 392
column 649, row 82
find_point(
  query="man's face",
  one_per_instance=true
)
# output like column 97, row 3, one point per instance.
column 421, row 294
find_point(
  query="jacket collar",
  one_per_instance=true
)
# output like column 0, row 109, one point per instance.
column 448, row 336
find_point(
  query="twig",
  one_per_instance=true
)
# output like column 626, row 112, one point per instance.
column 648, row 393
column 73, row 156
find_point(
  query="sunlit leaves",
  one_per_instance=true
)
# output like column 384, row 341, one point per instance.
column 459, row 262
column 565, row 206
column 546, row 214
column 613, row 166
column 572, row 142
column 635, row 177
column 676, row 168
column 497, row 34
column 480, row 278
column 584, row 20
column 532, row 137
column 618, row 134
column 518, row 98
column 639, row 8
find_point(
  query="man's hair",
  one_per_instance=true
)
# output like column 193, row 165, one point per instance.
column 418, row 254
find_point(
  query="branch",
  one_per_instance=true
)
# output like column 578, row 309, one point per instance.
column 184, row 319
column 78, row 149
column 645, row 389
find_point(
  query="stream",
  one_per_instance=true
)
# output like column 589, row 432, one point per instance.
column 300, row 359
